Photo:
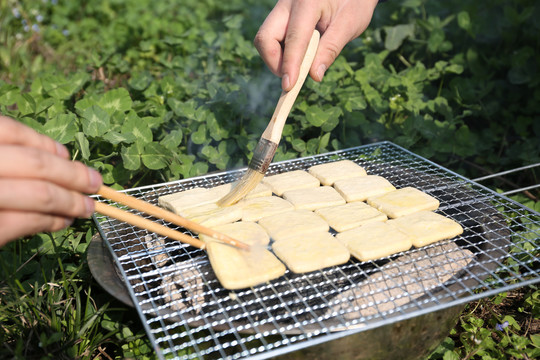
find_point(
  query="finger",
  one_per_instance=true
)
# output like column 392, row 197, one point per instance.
column 332, row 42
column 16, row 224
column 271, row 34
column 302, row 23
column 339, row 27
column 43, row 197
column 31, row 163
column 15, row 133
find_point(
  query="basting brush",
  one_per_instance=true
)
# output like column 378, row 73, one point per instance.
column 267, row 145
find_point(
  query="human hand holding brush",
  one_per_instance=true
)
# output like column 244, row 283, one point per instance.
column 283, row 37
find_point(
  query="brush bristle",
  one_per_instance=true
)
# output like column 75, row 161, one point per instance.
column 247, row 183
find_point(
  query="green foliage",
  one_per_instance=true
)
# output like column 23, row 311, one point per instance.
column 43, row 310
column 134, row 92
column 456, row 91
column 141, row 94
column 501, row 327
column 50, row 307
column 495, row 335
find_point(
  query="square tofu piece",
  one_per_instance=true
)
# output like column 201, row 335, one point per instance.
column 403, row 201
column 375, row 240
column 309, row 253
column 293, row 223
column 427, row 227
column 183, row 200
column 261, row 190
column 314, row 198
column 362, row 187
column 351, row 215
column 211, row 214
column 257, row 208
column 292, row 180
column 238, row 269
column 331, row 172
column 197, row 210
column 245, row 231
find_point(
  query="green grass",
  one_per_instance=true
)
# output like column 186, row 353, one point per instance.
column 50, row 307
column 148, row 92
column 505, row 326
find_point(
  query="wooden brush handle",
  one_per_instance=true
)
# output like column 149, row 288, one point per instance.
column 287, row 98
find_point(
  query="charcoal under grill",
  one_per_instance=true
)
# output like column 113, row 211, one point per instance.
column 187, row 314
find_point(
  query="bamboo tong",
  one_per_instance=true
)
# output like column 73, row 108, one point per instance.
column 158, row 212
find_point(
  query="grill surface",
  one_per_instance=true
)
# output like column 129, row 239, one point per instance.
column 188, row 314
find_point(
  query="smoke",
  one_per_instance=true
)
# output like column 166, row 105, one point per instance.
column 263, row 92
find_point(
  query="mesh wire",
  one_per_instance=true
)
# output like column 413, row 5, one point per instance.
column 187, row 314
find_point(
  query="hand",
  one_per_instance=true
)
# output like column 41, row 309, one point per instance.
column 283, row 38
column 40, row 188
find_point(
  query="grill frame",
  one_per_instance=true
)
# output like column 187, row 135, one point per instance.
column 395, row 163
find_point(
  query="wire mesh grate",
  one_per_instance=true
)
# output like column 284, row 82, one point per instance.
column 187, row 314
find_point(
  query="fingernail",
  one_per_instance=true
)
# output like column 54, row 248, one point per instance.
column 61, row 150
column 68, row 221
column 285, row 82
column 89, row 205
column 95, row 178
column 320, row 71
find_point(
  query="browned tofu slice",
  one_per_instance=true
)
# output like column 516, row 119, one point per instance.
column 311, row 252
column 238, row 269
column 348, row 216
column 331, row 172
column 375, row 240
column 426, row 227
column 292, row 180
column 293, row 223
column 403, row 201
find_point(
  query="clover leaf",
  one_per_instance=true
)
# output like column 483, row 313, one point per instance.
column 62, row 127
column 117, row 100
column 95, row 121
column 156, row 156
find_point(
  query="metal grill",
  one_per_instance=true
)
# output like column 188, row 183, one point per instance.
column 187, row 314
